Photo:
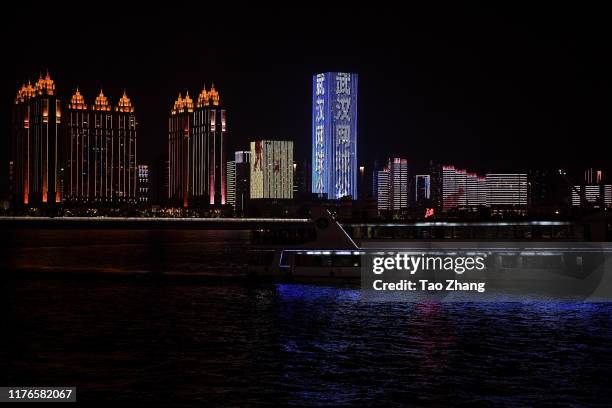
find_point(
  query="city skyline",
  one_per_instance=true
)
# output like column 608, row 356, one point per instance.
column 437, row 87
column 90, row 158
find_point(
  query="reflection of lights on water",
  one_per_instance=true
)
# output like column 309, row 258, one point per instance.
column 305, row 292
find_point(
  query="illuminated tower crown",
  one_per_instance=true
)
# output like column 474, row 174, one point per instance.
column 20, row 97
column 25, row 93
column 124, row 105
column 203, row 98
column 30, row 91
column 213, row 95
column 101, row 103
column 188, row 103
column 178, row 105
column 45, row 86
column 77, row 101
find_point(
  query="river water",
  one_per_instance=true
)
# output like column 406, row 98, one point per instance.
column 78, row 309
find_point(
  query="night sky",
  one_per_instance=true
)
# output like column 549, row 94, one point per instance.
column 486, row 88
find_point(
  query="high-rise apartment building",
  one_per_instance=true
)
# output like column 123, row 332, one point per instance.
column 383, row 186
column 507, row 190
column 36, row 150
column 392, row 185
column 100, row 151
column 398, row 183
column 197, row 145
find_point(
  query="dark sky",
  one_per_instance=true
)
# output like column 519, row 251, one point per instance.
column 487, row 88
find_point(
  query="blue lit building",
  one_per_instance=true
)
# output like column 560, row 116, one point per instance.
column 334, row 135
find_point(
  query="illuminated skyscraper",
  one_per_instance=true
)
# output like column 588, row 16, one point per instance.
column 392, row 185
column 36, row 146
column 272, row 169
column 398, row 183
column 124, row 179
column 197, row 150
column 100, row 151
column 334, row 135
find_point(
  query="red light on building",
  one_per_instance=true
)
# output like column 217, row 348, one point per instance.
column 429, row 212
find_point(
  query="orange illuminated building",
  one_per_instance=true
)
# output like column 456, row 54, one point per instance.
column 75, row 153
column 100, row 150
column 197, row 150
column 36, row 145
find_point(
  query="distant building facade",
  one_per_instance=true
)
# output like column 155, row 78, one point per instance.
column 454, row 188
column 230, row 195
column 507, row 190
column 398, row 183
column 271, row 169
column 197, row 145
column 466, row 191
column 597, row 196
column 392, row 185
column 334, row 135
column 383, row 187
column 462, row 190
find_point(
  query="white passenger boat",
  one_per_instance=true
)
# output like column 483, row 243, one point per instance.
column 327, row 251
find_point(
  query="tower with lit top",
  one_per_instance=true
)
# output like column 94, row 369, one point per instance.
column 100, row 151
column 197, row 133
column 35, row 144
